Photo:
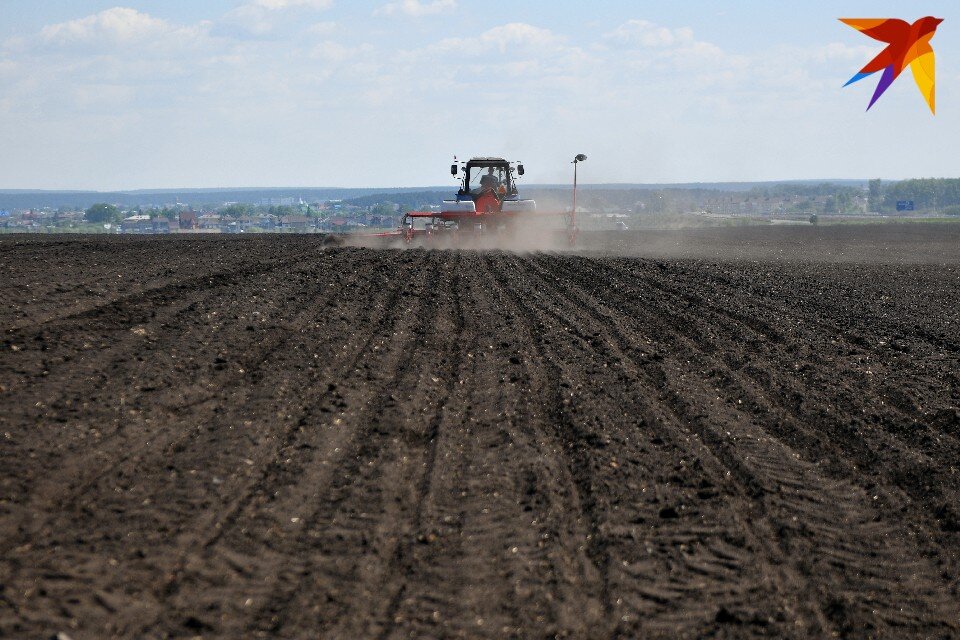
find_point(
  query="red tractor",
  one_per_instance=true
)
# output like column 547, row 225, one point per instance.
column 487, row 204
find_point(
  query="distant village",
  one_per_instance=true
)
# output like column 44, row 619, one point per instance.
column 276, row 215
column 599, row 207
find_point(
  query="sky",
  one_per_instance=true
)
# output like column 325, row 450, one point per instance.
column 384, row 93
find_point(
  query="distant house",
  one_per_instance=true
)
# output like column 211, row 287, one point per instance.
column 188, row 220
column 143, row 224
column 242, row 223
column 136, row 224
column 209, row 222
column 296, row 222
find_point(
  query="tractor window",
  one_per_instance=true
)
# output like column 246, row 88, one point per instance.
column 478, row 178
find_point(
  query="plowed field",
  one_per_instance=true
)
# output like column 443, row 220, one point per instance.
column 757, row 436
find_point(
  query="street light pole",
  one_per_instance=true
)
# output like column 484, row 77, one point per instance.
column 572, row 225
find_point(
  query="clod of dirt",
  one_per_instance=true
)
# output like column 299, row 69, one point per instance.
column 725, row 616
column 196, row 624
column 669, row 512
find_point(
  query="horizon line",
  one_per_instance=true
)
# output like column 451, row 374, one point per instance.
column 9, row 190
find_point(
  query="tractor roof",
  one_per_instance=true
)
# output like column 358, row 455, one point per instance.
column 484, row 162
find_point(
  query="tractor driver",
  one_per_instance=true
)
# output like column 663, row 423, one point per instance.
column 489, row 181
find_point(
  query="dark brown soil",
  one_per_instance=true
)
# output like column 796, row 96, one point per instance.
column 269, row 437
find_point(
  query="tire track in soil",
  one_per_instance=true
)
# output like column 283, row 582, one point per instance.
column 671, row 420
column 373, row 496
column 570, row 437
column 156, row 295
column 786, row 345
column 778, row 398
column 113, row 449
column 802, row 504
column 278, row 369
column 827, row 322
column 765, row 392
column 550, row 491
column 497, row 529
column 854, row 332
column 886, row 427
column 321, row 426
column 889, row 415
column 697, row 559
column 57, row 397
column 403, row 563
column 337, row 370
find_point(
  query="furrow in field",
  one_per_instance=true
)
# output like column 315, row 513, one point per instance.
column 503, row 527
column 791, row 406
column 843, row 515
column 67, row 403
column 123, row 432
column 694, row 540
column 888, row 379
column 301, row 461
column 357, row 497
column 170, row 504
column 155, row 296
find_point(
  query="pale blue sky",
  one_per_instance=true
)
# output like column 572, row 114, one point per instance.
column 117, row 95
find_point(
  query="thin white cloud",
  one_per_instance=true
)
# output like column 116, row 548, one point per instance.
column 508, row 37
column 416, row 8
column 647, row 34
column 258, row 16
column 646, row 46
column 279, row 5
column 117, row 26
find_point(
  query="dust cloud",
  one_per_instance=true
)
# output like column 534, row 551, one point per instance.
column 542, row 233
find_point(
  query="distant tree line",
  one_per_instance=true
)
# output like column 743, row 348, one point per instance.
column 240, row 209
column 938, row 194
column 789, row 190
column 409, row 201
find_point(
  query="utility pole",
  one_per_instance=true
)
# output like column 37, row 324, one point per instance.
column 572, row 224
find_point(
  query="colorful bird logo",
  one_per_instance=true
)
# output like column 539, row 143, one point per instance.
column 907, row 44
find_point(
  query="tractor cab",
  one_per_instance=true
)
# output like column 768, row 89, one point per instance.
column 481, row 175
column 487, row 182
